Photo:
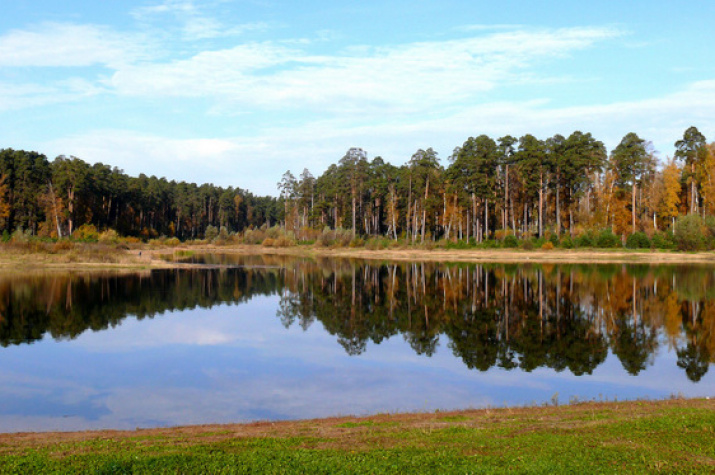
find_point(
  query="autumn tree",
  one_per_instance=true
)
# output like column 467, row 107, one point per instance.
column 4, row 201
column 670, row 199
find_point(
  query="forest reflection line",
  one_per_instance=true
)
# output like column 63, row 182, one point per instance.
column 508, row 316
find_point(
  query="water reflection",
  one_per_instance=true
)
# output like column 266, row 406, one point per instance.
column 503, row 316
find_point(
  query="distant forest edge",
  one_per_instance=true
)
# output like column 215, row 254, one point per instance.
column 562, row 191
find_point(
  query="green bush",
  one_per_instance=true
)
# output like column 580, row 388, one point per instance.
column 607, row 240
column 638, row 241
column 584, row 240
column 357, row 241
column 86, row 233
column 490, row 244
column 566, row 242
column 554, row 239
column 511, row 241
column 223, row 234
column 459, row 244
column 210, row 233
column 690, row 233
column 663, row 240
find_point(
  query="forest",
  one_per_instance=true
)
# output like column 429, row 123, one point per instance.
column 489, row 190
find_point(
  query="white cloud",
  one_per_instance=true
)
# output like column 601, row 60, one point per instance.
column 195, row 23
column 403, row 79
column 256, row 162
column 20, row 96
column 69, row 45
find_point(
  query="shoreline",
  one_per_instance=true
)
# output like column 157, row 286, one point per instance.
column 676, row 433
column 144, row 258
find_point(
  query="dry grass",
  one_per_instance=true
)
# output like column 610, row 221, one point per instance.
column 100, row 256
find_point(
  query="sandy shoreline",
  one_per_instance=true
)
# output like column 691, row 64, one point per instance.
column 145, row 258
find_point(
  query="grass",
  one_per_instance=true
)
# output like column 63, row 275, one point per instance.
column 674, row 436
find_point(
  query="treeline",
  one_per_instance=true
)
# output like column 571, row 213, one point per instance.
column 489, row 189
column 525, row 187
column 507, row 316
column 53, row 199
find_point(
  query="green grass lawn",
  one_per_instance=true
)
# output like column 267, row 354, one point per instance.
column 674, row 436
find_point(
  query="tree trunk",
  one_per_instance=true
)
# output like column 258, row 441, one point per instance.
column 558, row 206
column 486, row 219
column 633, row 207
column 54, row 206
column 541, row 204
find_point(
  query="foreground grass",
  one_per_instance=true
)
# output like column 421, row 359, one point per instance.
column 675, row 436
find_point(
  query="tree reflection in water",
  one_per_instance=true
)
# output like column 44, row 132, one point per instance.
column 507, row 316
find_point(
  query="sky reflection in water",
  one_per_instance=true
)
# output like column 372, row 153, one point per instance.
column 216, row 360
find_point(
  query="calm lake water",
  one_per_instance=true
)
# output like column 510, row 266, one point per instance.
column 268, row 338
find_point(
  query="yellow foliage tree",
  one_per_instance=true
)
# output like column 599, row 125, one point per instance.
column 670, row 200
column 707, row 178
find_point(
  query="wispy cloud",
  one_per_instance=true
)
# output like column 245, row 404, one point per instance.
column 402, row 78
column 21, row 96
column 70, row 45
column 196, row 23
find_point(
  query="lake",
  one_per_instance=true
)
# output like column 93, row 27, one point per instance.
column 270, row 338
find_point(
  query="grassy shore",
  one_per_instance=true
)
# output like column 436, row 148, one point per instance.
column 143, row 256
column 670, row 436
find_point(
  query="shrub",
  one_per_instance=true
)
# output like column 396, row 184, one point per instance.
column 357, row 241
column 638, row 241
column 490, row 244
column 547, row 246
column 710, row 231
column 172, row 241
column 62, row 245
column 109, row 236
column 223, row 234
column 20, row 236
column 254, row 236
column 273, row 232
column 554, row 239
column 511, row 241
column 5, row 236
column 538, row 242
column 606, row 239
column 567, row 242
column 286, row 240
column 86, row 233
column 584, row 240
column 527, row 245
column 210, row 233
column 376, row 243
column 690, row 232
column 325, row 238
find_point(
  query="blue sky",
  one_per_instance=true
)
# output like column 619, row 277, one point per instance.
column 235, row 92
